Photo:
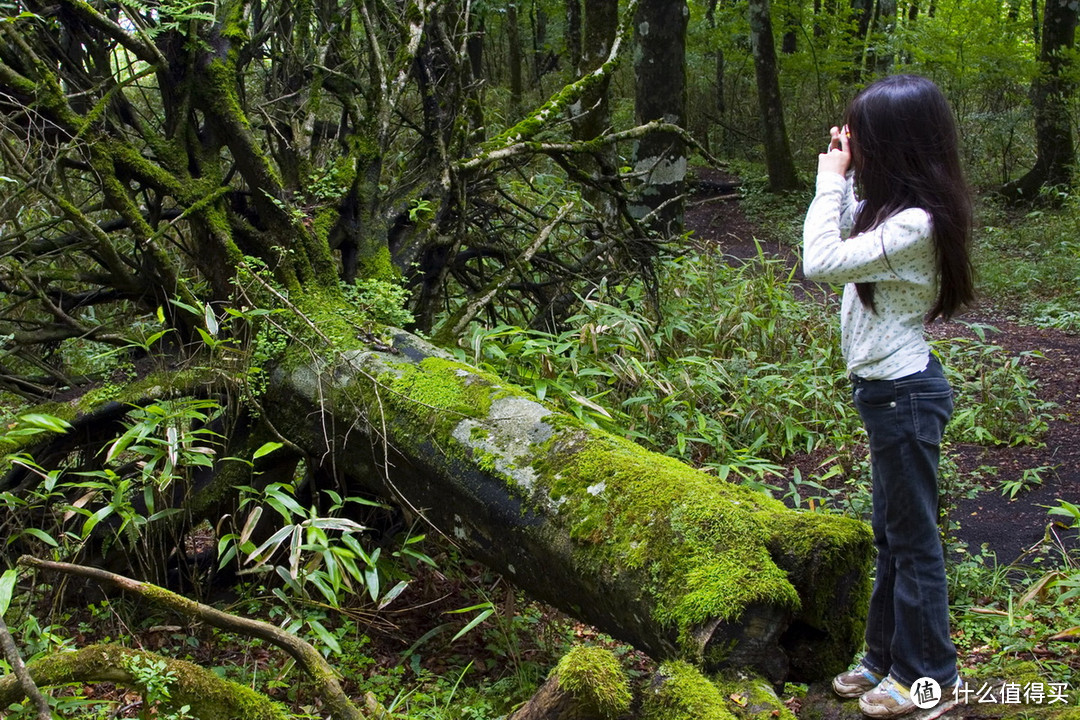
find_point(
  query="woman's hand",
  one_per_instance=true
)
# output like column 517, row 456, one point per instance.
column 837, row 158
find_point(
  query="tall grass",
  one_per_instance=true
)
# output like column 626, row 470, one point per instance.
column 731, row 372
column 738, row 371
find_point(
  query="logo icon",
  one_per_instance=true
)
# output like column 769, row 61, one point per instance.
column 925, row 693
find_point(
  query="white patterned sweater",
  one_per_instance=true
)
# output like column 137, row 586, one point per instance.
column 898, row 256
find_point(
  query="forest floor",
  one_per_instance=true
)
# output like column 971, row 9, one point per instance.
column 987, row 521
column 1009, row 527
column 407, row 643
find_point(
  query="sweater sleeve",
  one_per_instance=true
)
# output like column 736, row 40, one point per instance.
column 896, row 250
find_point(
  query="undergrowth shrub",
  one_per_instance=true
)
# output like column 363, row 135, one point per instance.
column 996, row 401
column 737, row 371
column 731, row 372
column 1028, row 264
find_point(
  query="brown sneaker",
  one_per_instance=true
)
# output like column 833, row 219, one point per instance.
column 855, row 682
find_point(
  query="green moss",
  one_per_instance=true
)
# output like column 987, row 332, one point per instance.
column 826, row 558
column 681, row 692
column 701, row 539
column 377, row 265
column 323, row 223
column 328, row 311
column 441, row 393
column 751, row 697
column 364, row 148
column 125, row 156
column 594, row 677
column 528, row 127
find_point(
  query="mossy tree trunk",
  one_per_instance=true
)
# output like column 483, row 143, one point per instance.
column 588, row 684
column 661, row 556
column 206, row 695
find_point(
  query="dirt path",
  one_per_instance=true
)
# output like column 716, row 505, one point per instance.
column 1008, row 527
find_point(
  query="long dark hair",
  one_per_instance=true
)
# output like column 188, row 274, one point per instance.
column 905, row 154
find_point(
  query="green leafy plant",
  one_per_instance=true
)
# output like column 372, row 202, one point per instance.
column 1029, row 478
column 316, row 555
column 378, row 302
column 997, row 400
column 154, row 679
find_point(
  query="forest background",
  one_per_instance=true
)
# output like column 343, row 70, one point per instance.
column 214, row 213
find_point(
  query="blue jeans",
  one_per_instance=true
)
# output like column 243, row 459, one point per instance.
column 907, row 628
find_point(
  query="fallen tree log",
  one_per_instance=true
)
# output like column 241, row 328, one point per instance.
column 669, row 559
column 323, row 676
column 205, row 695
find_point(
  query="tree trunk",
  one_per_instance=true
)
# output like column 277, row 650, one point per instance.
column 1051, row 93
column 778, row 159
column 552, row 702
column 885, row 24
column 661, row 556
column 544, row 60
column 660, row 94
column 513, row 36
column 789, row 45
column 573, row 35
column 591, row 115
column 475, row 48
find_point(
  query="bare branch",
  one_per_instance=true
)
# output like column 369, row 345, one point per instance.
column 140, row 47
column 321, row 672
column 11, row 652
column 582, row 146
column 455, row 324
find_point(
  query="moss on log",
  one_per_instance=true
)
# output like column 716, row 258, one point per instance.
column 208, row 696
column 587, row 684
column 680, row 692
column 665, row 557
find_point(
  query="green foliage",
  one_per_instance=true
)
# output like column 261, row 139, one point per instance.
column 1006, row 615
column 378, row 302
column 709, row 381
column 130, row 492
column 737, row 375
column 996, row 402
column 317, row 556
column 171, row 15
column 153, row 677
column 1029, row 478
column 329, row 182
column 1022, row 260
